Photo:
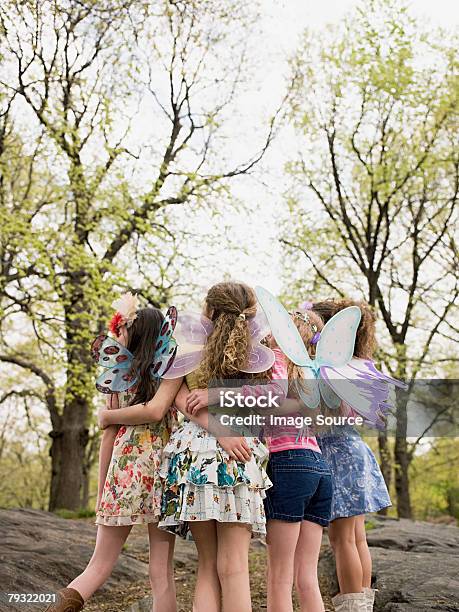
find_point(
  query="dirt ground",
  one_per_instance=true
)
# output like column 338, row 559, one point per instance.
column 120, row 599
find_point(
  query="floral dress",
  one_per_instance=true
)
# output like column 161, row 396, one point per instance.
column 133, row 490
column 358, row 484
column 202, row 482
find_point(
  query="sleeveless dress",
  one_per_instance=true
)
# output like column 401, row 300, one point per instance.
column 202, row 482
column 133, row 489
column 358, row 483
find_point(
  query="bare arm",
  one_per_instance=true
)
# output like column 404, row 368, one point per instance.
column 151, row 412
column 235, row 445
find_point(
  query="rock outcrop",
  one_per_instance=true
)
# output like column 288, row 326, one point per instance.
column 40, row 553
column 415, row 565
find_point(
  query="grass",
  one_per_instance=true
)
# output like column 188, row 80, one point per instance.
column 75, row 514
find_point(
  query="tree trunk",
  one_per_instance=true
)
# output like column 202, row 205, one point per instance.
column 68, row 448
column 402, row 461
column 385, row 462
column 67, row 458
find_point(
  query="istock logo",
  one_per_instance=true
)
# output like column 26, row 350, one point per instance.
column 232, row 399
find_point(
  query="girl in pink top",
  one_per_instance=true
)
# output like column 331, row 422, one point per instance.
column 298, row 505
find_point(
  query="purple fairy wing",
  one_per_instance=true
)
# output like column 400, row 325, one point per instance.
column 260, row 357
column 363, row 387
column 117, row 360
column 191, row 333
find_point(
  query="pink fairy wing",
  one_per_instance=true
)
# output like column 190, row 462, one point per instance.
column 191, row 333
column 261, row 357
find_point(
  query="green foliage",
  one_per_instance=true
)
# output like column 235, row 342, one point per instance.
column 374, row 189
column 435, row 480
column 89, row 206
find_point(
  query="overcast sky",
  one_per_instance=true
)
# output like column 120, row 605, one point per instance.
column 281, row 24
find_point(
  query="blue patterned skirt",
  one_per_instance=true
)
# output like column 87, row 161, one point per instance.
column 358, row 483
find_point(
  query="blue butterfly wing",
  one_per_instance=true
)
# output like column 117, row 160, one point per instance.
column 166, row 347
column 117, row 360
column 108, row 353
column 164, row 362
column 115, row 380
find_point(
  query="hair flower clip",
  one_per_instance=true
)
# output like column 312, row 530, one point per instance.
column 126, row 312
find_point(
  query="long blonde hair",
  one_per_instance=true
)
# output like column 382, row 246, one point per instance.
column 229, row 305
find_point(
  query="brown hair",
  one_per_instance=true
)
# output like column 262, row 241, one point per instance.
column 304, row 323
column 142, row 338
column 228, row 305
column 365, row 343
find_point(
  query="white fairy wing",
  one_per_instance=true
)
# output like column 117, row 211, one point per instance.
column 283, row 328
column 363, row 387
column 307, row 388
column 191, row 333
column 329, row 396
column 337, row 339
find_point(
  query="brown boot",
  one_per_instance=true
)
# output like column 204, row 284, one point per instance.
column 68, row 600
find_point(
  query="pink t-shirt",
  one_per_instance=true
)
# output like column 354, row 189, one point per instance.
column 290, row 437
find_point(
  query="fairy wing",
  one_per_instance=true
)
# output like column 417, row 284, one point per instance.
column 117, row 360
column 330, row 398
column 260, row 357
column 107, row 352
column 307, row 388
column 363, row 387
column 283, row 328
column 166, row 346
column 337, row 338
column 115, row 381
column 191, row 333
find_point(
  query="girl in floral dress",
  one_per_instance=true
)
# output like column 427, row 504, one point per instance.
column 129, row 484
column 358, row 484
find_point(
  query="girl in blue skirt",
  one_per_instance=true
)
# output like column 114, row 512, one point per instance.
column 358, row 484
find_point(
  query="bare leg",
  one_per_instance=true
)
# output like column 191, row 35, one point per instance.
column 348, row 565
column 233, row 566
column 207, row 594
column 109, row 543
column 306, row 561
column 364, row 551
column 282, row 542
column 161, row 569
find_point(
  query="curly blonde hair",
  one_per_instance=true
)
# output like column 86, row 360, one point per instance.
column 365, row 343
column 228, row 305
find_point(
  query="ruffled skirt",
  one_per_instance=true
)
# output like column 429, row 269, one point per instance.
column 202, row 483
